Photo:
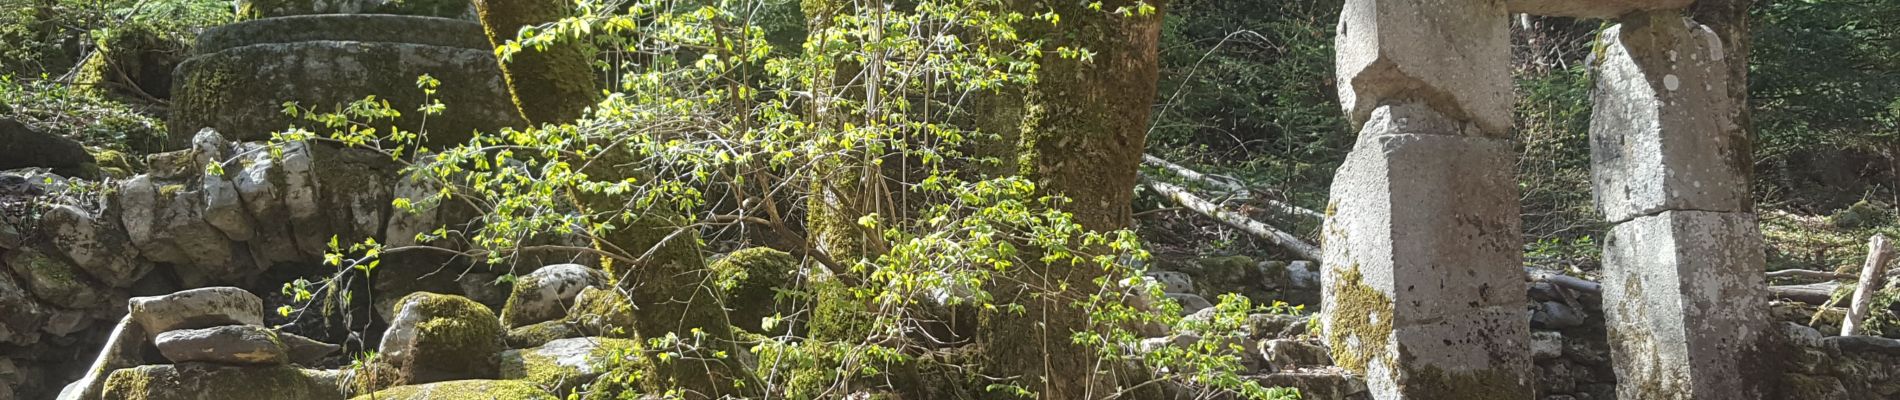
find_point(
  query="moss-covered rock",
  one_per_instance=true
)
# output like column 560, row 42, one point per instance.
column 437, row 337
column 563, row 365
column 544, row 295
column 54, row 280
column 754, row 280
column 196, row 381
column 27, row 147
column 541, row 333
column 474, row 389
column 241, row 91
column 602, row 312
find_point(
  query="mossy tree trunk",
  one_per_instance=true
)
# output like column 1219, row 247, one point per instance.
column 843, row 183
column 1084, row 129
column 669, row 287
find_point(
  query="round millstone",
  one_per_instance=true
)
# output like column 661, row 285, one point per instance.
column 381, row 28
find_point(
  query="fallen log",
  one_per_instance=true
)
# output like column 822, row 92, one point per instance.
column 1808, row 274
column 1872, row 276
column 1563, row 281
column 1207, row 208
column 1819, row 294
column 1227, row 185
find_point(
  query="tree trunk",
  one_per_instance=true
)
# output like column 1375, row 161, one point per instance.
column 1084, row 131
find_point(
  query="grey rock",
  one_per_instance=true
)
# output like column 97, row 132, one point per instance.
column 224, row 207
column 197, row 308
column 1303, row 274
column 1864, row 345
column 194, row 381
column 1453, row 56
column 67, row 322
column 1661, row 137
column 1318, row 384
column 1556, row 377
column 306, row 351
column 546, row 293
column 53, row 279
column 1290, row 354
column 263, row 182
column 1556, row 315
column 1547, row 345
column 229, row 344
column 431, row 355
column 1191, row 303
column 96, row 243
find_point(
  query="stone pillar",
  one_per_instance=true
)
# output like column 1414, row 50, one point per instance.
column 1683, row 264
column 1424, row 286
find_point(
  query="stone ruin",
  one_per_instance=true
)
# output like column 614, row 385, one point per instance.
column 1422, row 269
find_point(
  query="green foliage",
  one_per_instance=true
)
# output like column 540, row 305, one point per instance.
column 1249, row 85
column 1825, row 84
column 79, row 114
column 48, row 36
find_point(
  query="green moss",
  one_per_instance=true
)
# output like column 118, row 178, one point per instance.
column 839, row 314
column 602, row 312
column 473, row 389
column 554, row 85
column 209, row 381
column 541, row 333
column 752, row 279
column 170, row 191
column 116, row 164
column 1360, row 323
column 526, row 290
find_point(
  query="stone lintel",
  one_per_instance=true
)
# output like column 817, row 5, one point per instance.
column 1682, row 294
column 1452, row 56
column 1605, row 9
column 1661, row 134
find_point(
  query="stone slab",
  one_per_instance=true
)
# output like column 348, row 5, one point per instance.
column 1592, row 8
column 1677, row 291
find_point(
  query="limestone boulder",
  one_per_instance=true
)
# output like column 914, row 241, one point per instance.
column 474, row 389
column 96, row 243
column 200, row 381
column 1293, row 354
column 1172, row 281
column 1191, row 303
column 563, row 365
column 197, row 308
column 1449, row 56
column 546, row 293
column 279, row 8
column 263, row 181
column 229, row 344
column 1318, row 384
column 436, row 337
column 1661, row 137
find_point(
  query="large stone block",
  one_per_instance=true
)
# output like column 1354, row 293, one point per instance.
column 1681, row 295
column 1661, row 137
column 1451, row 55
column 344, row 27
column 1592, row 8
column 240, row 91
column 1423, row 270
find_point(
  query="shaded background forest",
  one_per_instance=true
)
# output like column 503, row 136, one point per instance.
column 1246, row 94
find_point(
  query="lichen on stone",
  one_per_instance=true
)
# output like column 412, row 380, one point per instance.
column 1360, row 325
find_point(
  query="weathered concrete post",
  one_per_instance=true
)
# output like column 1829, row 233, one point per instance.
column 1683, row 265
column 1422, row 260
